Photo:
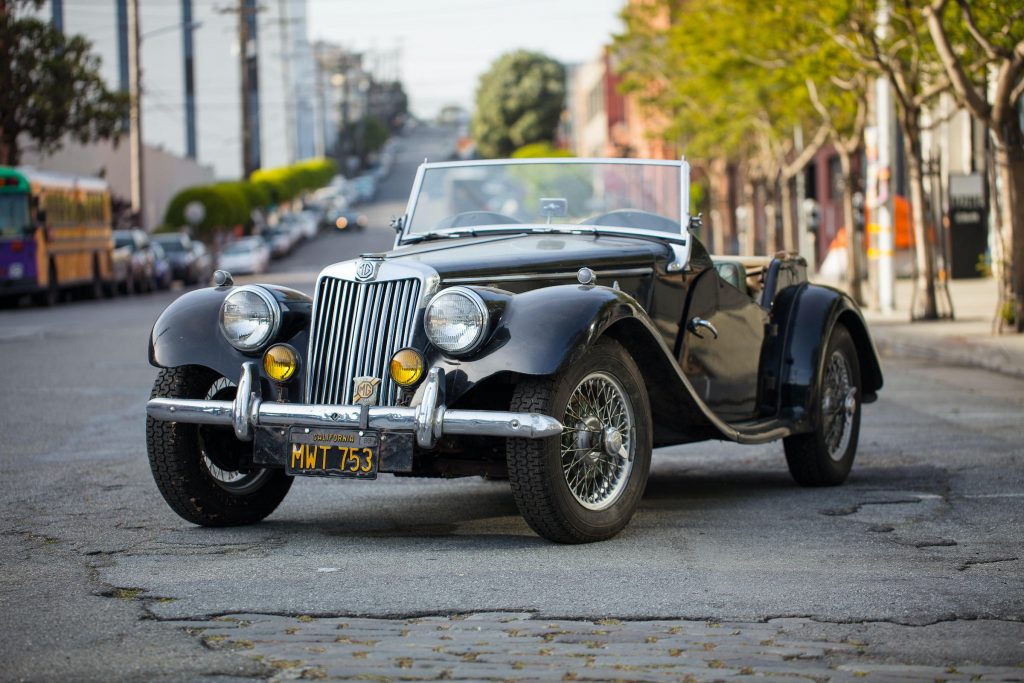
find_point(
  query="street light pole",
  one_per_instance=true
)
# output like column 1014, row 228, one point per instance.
column 135, row 115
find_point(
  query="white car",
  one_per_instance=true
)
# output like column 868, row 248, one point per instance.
column 247, row 255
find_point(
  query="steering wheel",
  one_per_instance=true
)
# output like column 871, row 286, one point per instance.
column 633, row 218
column 473, row 218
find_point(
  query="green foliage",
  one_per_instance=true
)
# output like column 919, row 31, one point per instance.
column 287, row 182
column 51, row 87
column 375, row 134
column 540, row 150
column 736, row 87
column 225, row 208
column 519, row 101
column 231, row 203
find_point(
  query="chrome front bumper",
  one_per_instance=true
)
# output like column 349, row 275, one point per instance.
column 428, row 421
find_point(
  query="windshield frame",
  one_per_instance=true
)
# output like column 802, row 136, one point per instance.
column 681, row 239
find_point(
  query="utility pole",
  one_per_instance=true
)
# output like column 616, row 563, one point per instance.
column 319, row 110
column 883, row 242
column 57, row 9
column 187, row 52
column 803, row 238
column 288, row 90
column 122, row 52
column 135, row 161
column 249, row 62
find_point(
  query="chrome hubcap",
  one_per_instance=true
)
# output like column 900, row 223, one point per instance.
column 597, row 442
column 838, row 405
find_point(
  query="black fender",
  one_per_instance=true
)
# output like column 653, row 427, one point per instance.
column 188, row 332
column 542, row 331
column 538, row 332
column 803, row 317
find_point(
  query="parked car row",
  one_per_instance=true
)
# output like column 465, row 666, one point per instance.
column 251, row 255
column 145, row 263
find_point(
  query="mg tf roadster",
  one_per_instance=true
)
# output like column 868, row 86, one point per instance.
column 545, row 321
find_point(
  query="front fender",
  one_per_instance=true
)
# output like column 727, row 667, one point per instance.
column 809, row 313
column 538, row 333
column 188, row 331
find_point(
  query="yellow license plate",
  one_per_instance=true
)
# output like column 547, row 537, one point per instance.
column 333, row 453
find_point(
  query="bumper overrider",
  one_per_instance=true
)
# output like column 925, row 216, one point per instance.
column 428, row 421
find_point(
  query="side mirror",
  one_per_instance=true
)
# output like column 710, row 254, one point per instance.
column 696, row 222
column 41, row 216
column 397, row 223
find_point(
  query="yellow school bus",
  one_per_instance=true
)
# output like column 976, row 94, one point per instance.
column 55, row 234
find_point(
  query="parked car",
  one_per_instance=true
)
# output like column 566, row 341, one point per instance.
column 203, row 262
column 134, row 261
column 546, row 320
column 343, row 217
column 279, row 240
column 249, row 255
column 366, row 187
column 162, row 271
column 190, row 260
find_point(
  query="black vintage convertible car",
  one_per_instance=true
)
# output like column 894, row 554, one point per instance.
column 548, row 321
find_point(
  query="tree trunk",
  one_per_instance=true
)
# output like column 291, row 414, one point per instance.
column 853, row 285
column 924, row 305
column 787, row 214
column 749, row 245
column 1010, row 171
column 718, row 177
column 771, row 232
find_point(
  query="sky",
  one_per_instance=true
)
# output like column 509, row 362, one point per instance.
column 445, row 45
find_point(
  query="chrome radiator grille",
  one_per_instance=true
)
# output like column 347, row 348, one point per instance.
column 357, row 328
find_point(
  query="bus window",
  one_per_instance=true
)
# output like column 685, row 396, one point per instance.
column 13, row 214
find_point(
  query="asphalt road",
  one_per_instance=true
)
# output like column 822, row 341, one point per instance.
column 911, row 569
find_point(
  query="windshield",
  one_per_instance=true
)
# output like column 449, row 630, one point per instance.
column 13, row 214
column 622, row 195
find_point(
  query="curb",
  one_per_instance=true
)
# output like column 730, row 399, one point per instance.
column 961, row 353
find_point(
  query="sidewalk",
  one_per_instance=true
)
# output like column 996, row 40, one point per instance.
column 965, row 340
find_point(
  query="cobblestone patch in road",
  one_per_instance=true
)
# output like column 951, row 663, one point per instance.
column 519, row 647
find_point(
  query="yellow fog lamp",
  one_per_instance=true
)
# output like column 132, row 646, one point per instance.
column 407, row 367
column 281, row 362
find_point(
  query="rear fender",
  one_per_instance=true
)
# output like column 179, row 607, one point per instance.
column 806, row 315
column 188, row 331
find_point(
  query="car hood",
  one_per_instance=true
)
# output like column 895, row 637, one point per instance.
column 530, row 254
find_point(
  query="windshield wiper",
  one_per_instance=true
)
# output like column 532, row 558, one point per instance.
column 428, row 236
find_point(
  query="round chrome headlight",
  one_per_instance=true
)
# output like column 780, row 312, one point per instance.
column 249, row 318
column 456, row 320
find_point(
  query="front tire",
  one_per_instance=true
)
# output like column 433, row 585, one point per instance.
column 824, row 457
column 585, row 485
column 203, row 472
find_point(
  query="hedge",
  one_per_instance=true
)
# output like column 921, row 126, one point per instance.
column 230, row 203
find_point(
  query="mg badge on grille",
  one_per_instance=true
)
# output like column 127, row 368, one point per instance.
column 366, row 391
column 365, row 270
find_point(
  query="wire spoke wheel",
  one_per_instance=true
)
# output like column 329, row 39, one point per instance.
column 599, row 424
column 838, row 405
column 585, row 484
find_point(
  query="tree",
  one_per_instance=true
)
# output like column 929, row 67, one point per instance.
column 995, row 31
column 51, row 87
column 519, row 101
column 895, row 43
